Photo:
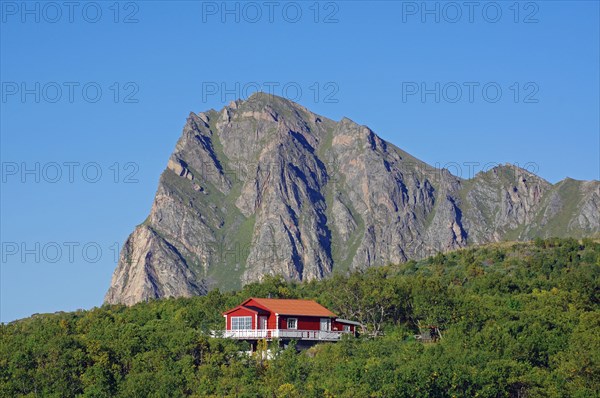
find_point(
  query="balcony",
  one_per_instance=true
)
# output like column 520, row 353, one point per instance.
column 283, row 334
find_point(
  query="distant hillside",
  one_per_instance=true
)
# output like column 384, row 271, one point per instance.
column 267, row 187
column 517, row 319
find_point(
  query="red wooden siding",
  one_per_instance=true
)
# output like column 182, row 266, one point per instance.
column 339, row 326
column 304, row 322
column 254, row 303
column 272, row 321
column 241, row 312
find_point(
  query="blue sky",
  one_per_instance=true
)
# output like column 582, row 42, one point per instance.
column 95, row 97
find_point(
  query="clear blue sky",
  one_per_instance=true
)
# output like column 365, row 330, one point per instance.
column 372, row 58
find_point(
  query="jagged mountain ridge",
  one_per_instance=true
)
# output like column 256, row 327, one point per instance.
column 265, row 186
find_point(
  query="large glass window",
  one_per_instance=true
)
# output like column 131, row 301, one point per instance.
column 241, row 322
column 292, row 323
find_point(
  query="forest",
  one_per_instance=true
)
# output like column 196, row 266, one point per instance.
column 516, row 320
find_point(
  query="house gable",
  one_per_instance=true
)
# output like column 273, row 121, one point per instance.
column 240, row 311
column 254, row 309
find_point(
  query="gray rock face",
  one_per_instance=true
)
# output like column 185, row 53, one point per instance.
column 150, row 267
column 266, row 187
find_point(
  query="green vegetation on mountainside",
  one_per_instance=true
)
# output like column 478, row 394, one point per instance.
column 518, row 320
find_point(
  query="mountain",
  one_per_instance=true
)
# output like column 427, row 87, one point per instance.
column 266, row 187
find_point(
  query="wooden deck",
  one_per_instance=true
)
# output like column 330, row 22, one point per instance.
column 282, row 334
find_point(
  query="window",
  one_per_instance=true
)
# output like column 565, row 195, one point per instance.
column 241, row 322
column 292, row 323
column 325, row 324
column 346, row 328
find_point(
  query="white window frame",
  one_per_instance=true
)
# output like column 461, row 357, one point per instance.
column 241, row 322
column 347, row 328
column 295, row 323
column 327, row 322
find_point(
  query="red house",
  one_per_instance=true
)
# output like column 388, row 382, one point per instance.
column 285, row 319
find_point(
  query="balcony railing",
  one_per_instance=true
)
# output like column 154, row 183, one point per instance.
column 257, row 334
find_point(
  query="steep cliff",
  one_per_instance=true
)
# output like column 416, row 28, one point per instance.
column 265, row 186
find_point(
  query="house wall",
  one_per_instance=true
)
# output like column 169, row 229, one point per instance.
column 272, row 321
column 241, row 312
column 340, row 326
column 304, row 322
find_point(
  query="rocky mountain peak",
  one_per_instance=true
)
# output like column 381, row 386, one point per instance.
column 265, row 186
